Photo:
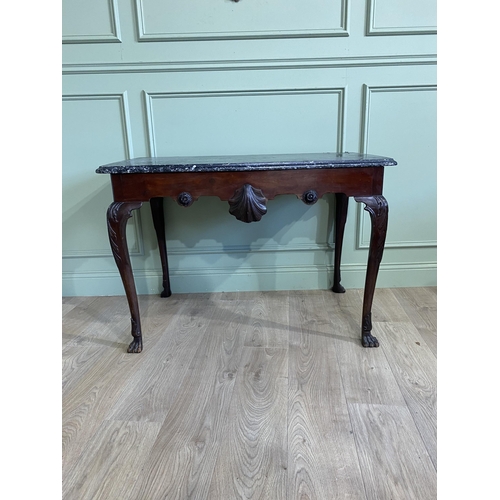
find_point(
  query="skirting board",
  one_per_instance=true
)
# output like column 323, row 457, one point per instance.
column 250, row 279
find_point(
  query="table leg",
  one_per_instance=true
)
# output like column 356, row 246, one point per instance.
column 341, row 203
column 117, row 216
column 378, row 209
column 159, row 225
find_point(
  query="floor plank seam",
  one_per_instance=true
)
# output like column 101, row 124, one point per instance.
column 408, row 406
column 351, row 423
column 220, row 414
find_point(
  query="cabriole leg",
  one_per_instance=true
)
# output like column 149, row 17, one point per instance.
column 159, row 225
column 117, row 216
column 341, row 203
column 378, row 209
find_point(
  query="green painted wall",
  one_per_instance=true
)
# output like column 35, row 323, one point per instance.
column 162, row 77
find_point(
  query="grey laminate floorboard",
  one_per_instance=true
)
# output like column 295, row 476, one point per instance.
column 255, row 395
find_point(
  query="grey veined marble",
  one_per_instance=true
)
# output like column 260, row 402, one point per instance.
column 238, row 163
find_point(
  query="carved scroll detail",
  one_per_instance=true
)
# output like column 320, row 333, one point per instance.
column 248, row 204
column 378, row 209
column 118, row 213
column 117, row 216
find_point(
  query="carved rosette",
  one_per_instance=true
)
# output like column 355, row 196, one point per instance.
column 310, row 197
column 185, row 199
column 248, row 204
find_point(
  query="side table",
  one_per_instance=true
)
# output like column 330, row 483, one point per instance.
column 247, row 183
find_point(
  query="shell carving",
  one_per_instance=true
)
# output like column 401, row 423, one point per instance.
column 248, row 204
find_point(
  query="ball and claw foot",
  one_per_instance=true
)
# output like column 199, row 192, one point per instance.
column 369, row 340
column 338, row 288
column 165, row 293
column 136, row 345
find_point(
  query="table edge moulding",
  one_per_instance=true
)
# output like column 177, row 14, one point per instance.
column 247, row 182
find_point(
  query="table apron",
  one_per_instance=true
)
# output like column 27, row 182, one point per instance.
column 352, row 181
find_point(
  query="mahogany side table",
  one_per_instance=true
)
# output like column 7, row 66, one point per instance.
column 246, row 183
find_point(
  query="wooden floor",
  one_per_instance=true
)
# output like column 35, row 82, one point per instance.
column 256, row 395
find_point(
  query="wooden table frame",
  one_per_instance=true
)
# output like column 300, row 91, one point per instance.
column 247, row 191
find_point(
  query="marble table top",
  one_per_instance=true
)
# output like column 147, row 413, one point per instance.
column 238, row 163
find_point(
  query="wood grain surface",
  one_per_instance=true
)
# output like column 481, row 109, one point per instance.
column 322, row 453
column 251, row 395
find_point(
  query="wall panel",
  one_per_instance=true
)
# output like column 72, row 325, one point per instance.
column 403, row 119
column 386, row 17
column 248, row 77
column 93, row 21
column 95, row 126
column 167, row 20
column 236, row 122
